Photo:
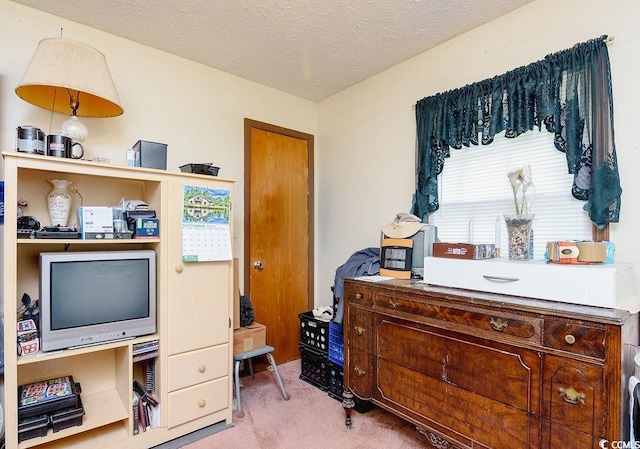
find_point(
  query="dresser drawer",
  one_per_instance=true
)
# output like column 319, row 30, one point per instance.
column 359, row 335
column 199, row 366
column 573, row 394
column 554, row 435
column 601, row 285
column 474, row 320
column 497, row 372
column 487, row 423
column 359, row 373
column 575, row 338
column 357, row 294
column 195, row 402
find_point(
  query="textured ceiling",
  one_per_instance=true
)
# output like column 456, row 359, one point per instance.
column 308, row 48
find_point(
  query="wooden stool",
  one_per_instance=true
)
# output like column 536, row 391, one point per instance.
column 237, row 358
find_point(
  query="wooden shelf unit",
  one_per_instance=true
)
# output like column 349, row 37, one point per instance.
column 184, row 305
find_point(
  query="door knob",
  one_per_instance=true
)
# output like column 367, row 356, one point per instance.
column 258, row 265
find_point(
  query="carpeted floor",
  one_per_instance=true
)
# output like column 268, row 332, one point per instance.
column 310, row 419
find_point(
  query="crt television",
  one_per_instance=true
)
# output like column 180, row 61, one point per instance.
column 94, row 297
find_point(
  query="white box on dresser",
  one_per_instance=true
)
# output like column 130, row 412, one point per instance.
column 600, row 285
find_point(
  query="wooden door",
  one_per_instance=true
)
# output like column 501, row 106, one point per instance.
column 198, row 292
column 278, row 259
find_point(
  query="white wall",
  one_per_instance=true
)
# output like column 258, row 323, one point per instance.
column 197, row 111
column 365, row 135
column 365, row 171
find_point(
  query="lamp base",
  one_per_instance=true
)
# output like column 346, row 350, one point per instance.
column 75, row 129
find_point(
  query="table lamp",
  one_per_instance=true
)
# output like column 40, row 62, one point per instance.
column 71, row 78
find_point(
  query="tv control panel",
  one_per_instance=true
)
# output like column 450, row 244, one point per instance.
column 91, row 340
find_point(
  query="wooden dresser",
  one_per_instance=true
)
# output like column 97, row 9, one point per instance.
column 477, row 370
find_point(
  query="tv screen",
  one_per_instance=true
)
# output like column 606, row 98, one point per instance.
column 76, row 302
column 95, row 297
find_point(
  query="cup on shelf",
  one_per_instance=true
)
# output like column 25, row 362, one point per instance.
column 62, row 146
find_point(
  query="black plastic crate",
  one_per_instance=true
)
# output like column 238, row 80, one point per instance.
column 336, row 344
column 314, row 333
column 336, row 376
column 314, row 367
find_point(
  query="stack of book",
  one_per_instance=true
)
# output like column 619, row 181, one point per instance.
column 144, row 403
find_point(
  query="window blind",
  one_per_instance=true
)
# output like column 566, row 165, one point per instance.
column 475, row 193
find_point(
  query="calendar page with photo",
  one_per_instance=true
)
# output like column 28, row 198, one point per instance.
column 206, row 235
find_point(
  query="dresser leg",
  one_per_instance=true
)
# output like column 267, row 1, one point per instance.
column 348, row 404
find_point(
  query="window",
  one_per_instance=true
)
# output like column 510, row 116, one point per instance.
column 475, row 193
column 562, row 92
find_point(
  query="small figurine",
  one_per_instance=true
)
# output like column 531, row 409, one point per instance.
column 26, row 222
column 22, row 205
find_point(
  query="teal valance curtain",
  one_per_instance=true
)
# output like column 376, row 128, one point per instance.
column 568, row 93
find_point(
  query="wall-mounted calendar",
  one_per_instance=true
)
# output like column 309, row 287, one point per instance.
column 206, row 235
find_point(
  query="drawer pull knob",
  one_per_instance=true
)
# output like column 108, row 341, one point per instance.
column 570, row 339
column 498, row 324
column 202, row 368
column 359, row 371
column 571, row 396
column 179, row 268
column 359, row 330
column 359, row 296
column 202, row 403
column 393, row 303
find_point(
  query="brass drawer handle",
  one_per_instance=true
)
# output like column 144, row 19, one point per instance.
column 499, row 324
column 359, row 330
column 570, row 339
column 571, row 396
column 359, row 371
column 393, row 303
column 359, row 296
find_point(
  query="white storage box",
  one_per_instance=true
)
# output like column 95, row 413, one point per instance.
column 94, row 220
column 601, row 285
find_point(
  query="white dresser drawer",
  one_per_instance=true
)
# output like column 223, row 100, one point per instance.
column 602, row 285
column 195, row 402
column 195, row 367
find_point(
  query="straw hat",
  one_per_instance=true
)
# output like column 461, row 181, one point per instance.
column 404, row 225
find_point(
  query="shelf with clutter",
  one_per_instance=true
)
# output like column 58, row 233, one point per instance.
column 107, row 365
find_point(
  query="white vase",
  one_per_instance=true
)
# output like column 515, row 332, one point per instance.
column 59, row 202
